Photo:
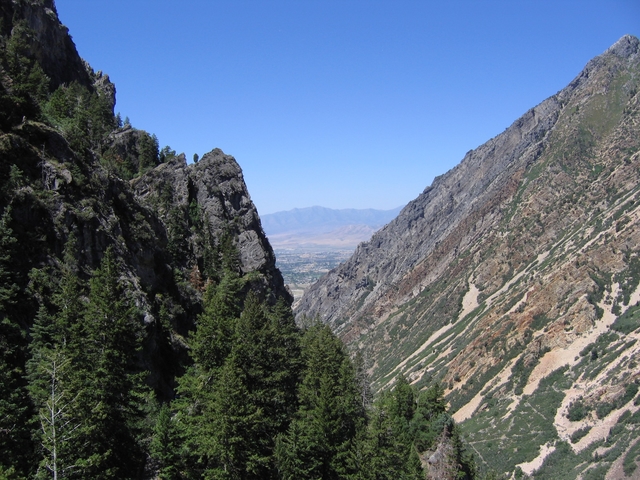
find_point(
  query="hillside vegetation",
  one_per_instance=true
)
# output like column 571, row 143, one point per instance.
column 513, row 280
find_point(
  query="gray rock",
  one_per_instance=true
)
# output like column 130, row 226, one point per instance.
column 217, row 186
column 470, row 194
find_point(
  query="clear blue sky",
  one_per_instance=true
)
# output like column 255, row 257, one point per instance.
column 338, row 103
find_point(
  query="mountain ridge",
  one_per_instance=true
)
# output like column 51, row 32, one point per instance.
column 501, row 277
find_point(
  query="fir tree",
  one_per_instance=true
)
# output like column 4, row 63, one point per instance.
column 389, row 451
column 241, row 391
column 50, row 368
column 8, row 287
column 430, row 417
column 15, row 408
column 321, row 439
column 108, row 386
column 164, row 445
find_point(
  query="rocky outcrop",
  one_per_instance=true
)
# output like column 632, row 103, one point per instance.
column 53, row 191
column 215, row 186
column 51, row 46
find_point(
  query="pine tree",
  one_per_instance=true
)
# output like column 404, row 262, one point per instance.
column 320, row 440
column 108, row 386
column 15, row 408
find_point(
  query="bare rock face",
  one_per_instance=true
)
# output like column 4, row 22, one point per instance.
column 485, row 177
column 505, row 275
column 51, row 46
column 216, row 187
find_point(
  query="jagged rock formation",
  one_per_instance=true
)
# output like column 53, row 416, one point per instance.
column 502, row 276
column 54, row 190
column 216, row 186
column 51, row 46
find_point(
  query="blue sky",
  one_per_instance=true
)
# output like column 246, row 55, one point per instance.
column 343, row 104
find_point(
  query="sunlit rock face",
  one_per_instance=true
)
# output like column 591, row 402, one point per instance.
column 510, row 268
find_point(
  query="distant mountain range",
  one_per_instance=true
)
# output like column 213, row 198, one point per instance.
column 324, row 228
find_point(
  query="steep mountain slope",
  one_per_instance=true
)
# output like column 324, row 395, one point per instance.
column 513, row 280
column 59, row 183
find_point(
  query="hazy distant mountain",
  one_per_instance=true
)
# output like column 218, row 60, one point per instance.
column 324, row 229
column 322, row 220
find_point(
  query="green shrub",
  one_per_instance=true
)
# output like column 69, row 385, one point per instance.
column 580, row 433
column 577, row 411
column 604, row 409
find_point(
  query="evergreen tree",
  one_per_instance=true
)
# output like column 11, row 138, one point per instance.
column 68, row 297
column 241, row 392
column 147, row 152
column 15, row 408
column 177, row 234
column 85, row 118
column 108, row 386
column 212, row 340
column 401, row 405
column 430, row 417
column 8, row 288
column 211, row 344
column 58, row 425
column 321, row 439
column 264, row 362
column 29, row 85
column 389, row 451
column 50, row 368
column 164, row 445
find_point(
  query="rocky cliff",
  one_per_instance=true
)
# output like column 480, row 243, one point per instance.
column 504, row 274
column 215, row 188
column 61, row 177
column 49, row 43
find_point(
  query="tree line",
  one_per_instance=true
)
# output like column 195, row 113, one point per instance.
column 260, row 399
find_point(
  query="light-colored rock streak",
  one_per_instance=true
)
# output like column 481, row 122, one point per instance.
column 470, row 301
column 567, row 356
column 469, row 304
column 465, row 412
column 536, row 463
